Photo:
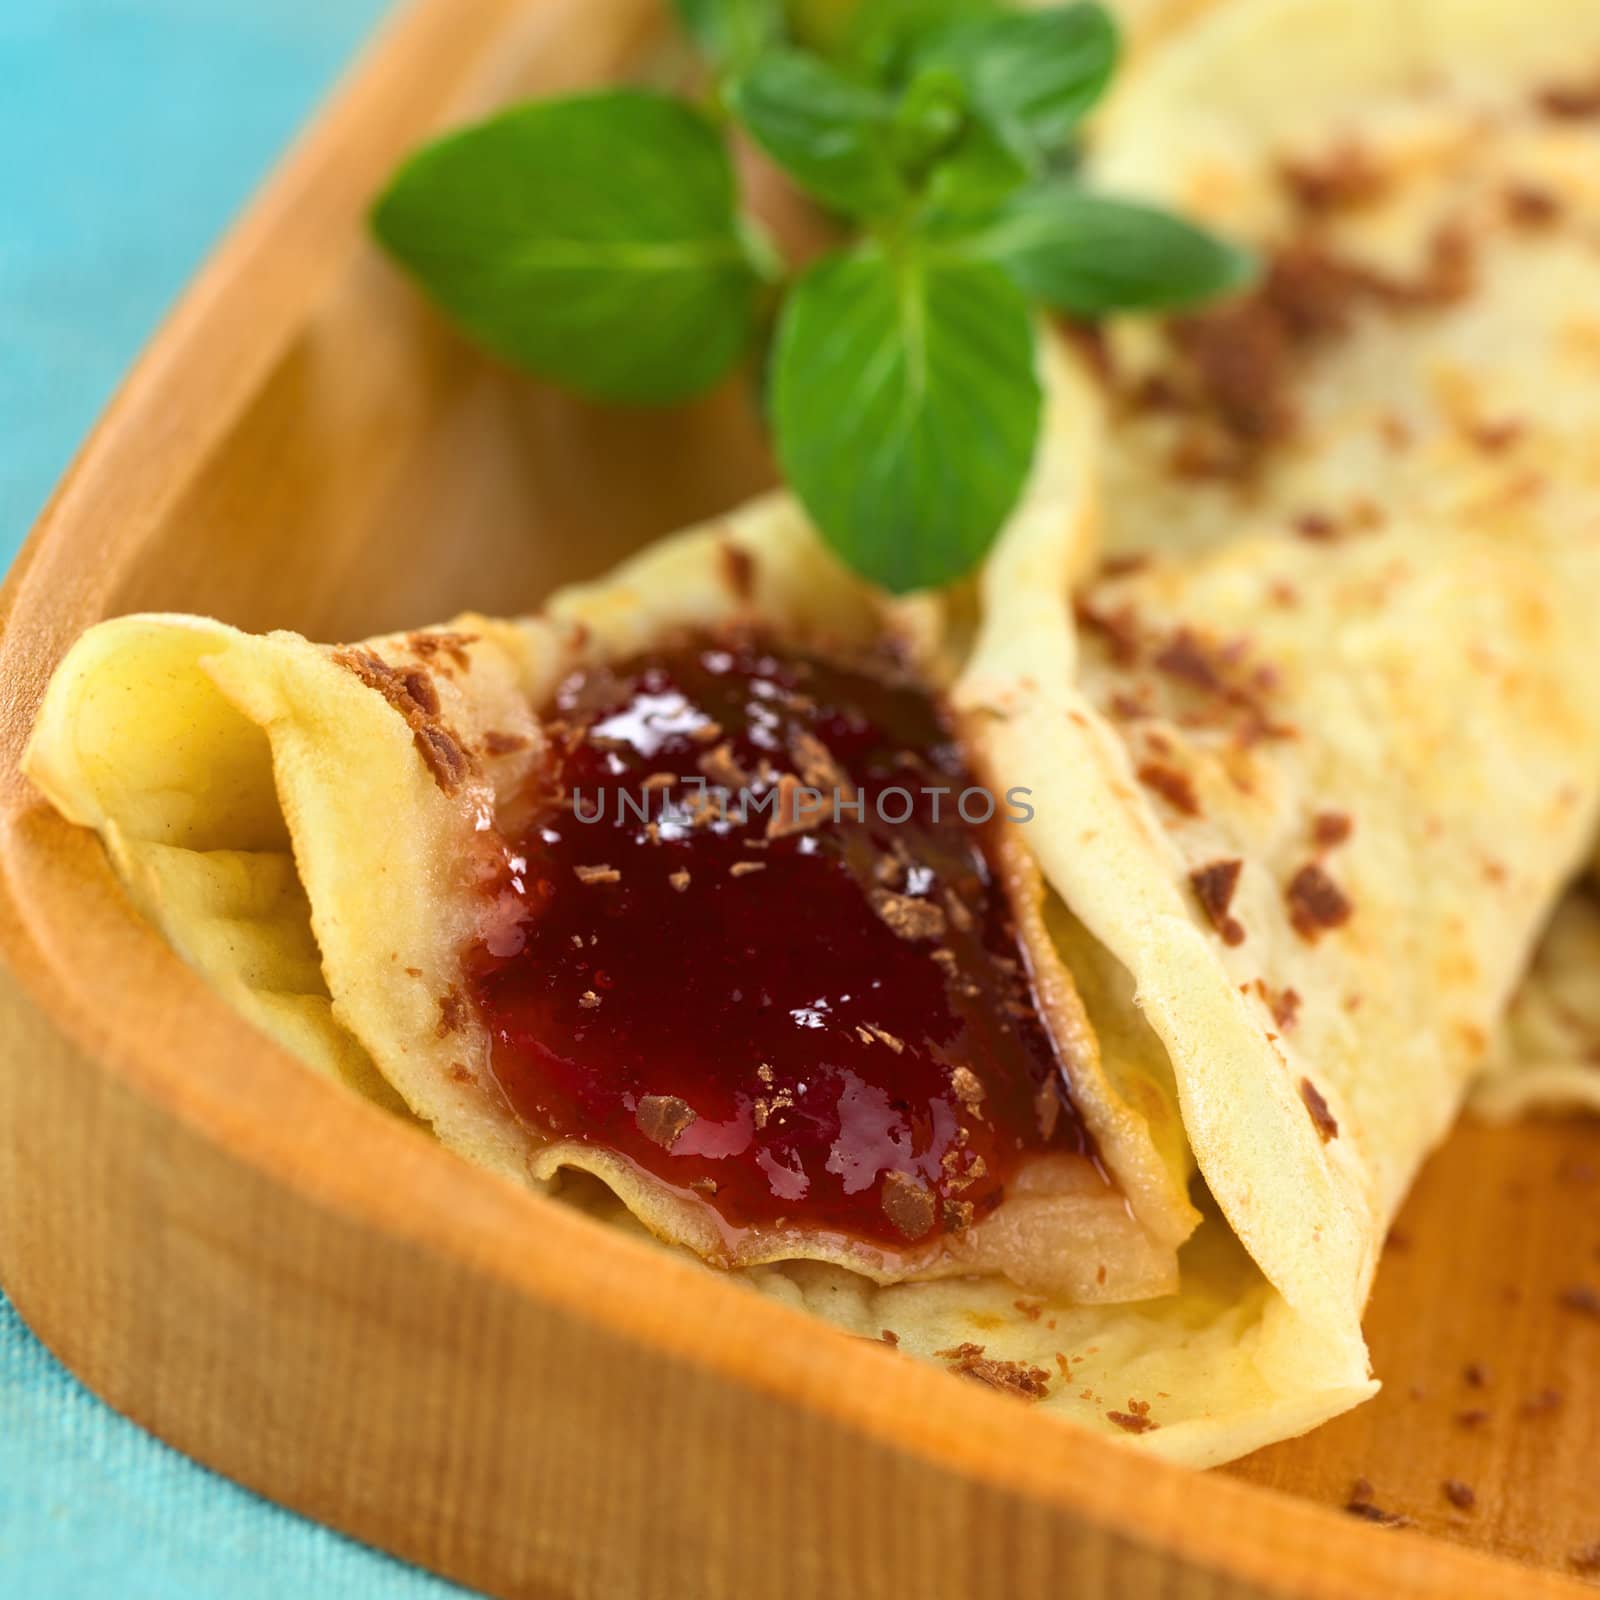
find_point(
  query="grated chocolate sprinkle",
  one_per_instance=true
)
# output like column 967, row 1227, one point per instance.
column 1173, row 786
column 1316, row 903
column 1019, row 1378
column 1322, row 1119
column 1214, row 886
column 1136, row 1419
column 908, row 917
column 908, row 1203
column 662, row 1118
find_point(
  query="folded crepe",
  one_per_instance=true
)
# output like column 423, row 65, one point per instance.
column 1310, row 754
column 383, row 812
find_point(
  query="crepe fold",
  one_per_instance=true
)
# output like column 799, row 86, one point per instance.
column 310, row 826
column 1290, row 636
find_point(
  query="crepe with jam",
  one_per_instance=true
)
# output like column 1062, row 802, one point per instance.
column 682, row 883
column 1286, row 650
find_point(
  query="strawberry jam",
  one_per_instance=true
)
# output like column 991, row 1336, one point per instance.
column 745, row 939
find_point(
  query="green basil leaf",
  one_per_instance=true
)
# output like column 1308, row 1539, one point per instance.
column 1090, row 254
column 834, row 137
column 732, row 33
column 592, row 240
column 929, row 122
column 979, row 171
column 906, row 404
column 881, row 37
column 825, row 26
column 1033, row 74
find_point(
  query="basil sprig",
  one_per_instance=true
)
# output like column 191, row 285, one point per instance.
column 941, row 381
column 598, row 241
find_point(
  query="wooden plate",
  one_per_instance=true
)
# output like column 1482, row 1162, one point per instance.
column 324, row 1305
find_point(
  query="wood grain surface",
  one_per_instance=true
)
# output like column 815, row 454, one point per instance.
column 324, row 1305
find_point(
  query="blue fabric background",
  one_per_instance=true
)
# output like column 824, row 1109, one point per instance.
column 130, row 132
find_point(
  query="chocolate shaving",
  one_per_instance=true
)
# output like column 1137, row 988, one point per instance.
column 967, row 1086
column 1330, row 828
column 1495, row 438
column 1136, row 1419
column 1213, row 887
column 1586, row 1560
column 443, row 756
column 1285, row 1007
column 1582, row 1298
column 1316, row 526
column 1570, row 102
column 1371, row 1513
column 908, row 918
column 1450, row 274
column 789, row 816
column 1090, row 341
column 1118, row 629
column 1359, row 1504
column 412, row 694
column 1047, row 1108
column 661, row 1118
column 738, row 570
column 1185, row 658
column 908, row 1203
column 1018, row 1378
column 1316, row 903
column 1346, row 179
column 419, row 687
column 1529, row 206
column 1240, row 358
column 889, row 871
column 452, row 1012
column 722, row 769
column 1322, row 1118
column 1173, row 786
column 1121, row 565
column 441, row 641
column 815, row 764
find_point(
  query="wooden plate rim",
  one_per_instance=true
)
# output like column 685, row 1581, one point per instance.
column 218, row 342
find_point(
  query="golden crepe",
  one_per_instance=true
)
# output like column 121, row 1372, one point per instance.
column 1311, row 754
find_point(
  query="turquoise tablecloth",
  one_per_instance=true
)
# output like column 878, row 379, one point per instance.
column 130, row 131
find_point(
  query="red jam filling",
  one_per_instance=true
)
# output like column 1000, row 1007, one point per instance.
column 809, row 1018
